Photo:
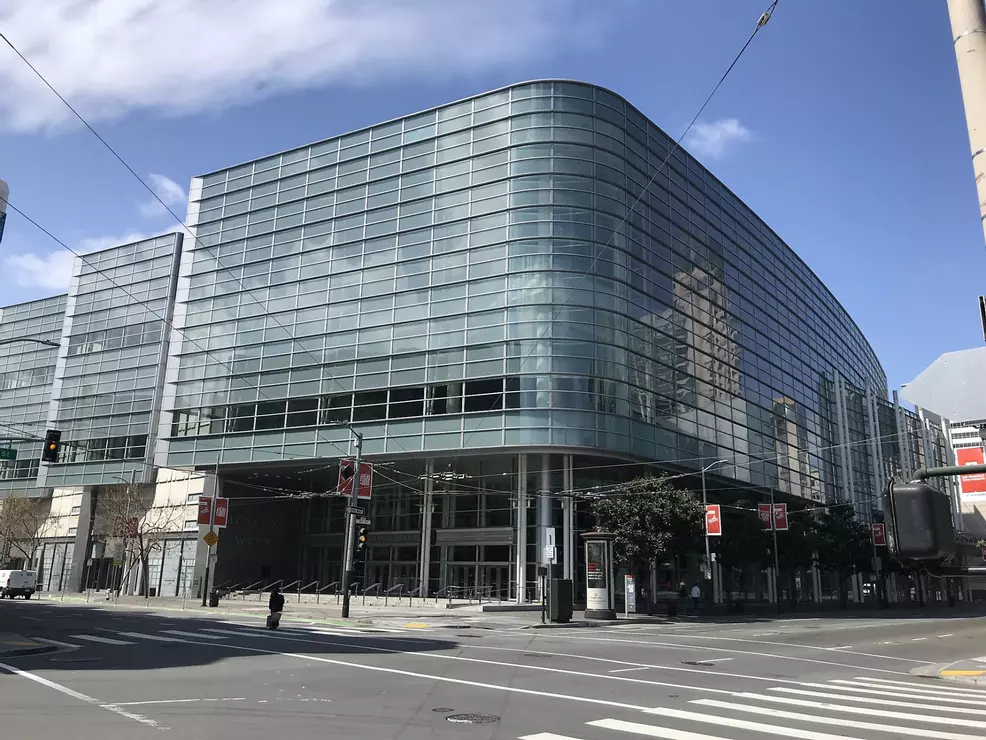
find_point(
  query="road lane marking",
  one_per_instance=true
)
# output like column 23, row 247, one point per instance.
column 839, row 721
column 172, row 701
column 197, row 635
column 868, row 711
column 835, row 685
column 144, row 636
column 740, row 652
column 546, row 736
column 627, row 670
column 874, row 700
column 800, row 646
column 918, row 639
column 950, row 634
column 969, row 691
column 918, row 689
column 665, row 733
column 58, row 643
column 83, row 697
column 739, row 724
column 104, row 640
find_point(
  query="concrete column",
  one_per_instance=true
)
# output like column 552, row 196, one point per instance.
column 816, row 584
column 427, row 506
column 544, row 515
column 968, row 18
column 211, row 482
column 520, row 573
column 568, row 521
column 83, row 541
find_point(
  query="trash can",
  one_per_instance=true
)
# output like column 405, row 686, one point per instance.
column 214, row 599
column 560, row 601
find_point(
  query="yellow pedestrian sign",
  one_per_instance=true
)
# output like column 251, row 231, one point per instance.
column 211, row 538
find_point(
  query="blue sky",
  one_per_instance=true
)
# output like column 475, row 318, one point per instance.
column 842, row 126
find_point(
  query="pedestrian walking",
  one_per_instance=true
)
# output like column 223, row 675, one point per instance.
column 696, row 596
column 276, row 605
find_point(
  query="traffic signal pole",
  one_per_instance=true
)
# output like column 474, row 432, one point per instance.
column 347, row 563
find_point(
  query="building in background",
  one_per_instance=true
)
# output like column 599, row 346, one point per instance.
column 512, row 298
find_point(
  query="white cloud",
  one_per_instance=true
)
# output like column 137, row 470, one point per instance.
column 168, row 191
column 110, row 57
column 53, row 270
column 714, row 139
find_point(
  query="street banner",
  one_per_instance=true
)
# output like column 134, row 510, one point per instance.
column 879, row 534
column 345, row 486
column 205, row 512
column 780, row 517
column 971, row 486
column 713, row 521
column 764, row 511
column 205, row 509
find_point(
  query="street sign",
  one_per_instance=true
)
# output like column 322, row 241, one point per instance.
column 345, row 485
column 363, row 521
column 971, row 486
column 210, row 538
column 713, row 521
column 764, row 511
column 780, row 517
column 549, row 537
column 879, row 534
column 8, row 453
column 549, row 553
column 355, row 510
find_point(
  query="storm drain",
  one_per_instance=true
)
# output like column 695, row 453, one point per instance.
column 443, row 710
column 473, row 719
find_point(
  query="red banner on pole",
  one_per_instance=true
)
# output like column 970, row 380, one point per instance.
column 205, row 510
column 222, row 513
column 764, row 511
column 347, row 474
column 713, row 521
column 780, row 517
column 879, row 534
column 975, row 483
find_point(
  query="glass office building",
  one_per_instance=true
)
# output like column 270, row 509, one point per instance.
column 515, row 299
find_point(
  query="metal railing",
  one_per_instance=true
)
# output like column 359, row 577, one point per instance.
column 306, row 586
column 399, row 588
column 320, row 591
column 372, row 587
column 269, row 586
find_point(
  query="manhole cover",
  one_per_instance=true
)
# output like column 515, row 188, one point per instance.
column 443, row 710
column 473, row 719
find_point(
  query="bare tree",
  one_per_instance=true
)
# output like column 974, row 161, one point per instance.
column 140, row 525
column 24, row 522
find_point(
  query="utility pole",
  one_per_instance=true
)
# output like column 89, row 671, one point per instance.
column 777, row 567
column 968, row 19
column 347, row 560
column 212, row 525
column 708, row 552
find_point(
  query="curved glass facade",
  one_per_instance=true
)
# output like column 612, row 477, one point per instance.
column 504, row 273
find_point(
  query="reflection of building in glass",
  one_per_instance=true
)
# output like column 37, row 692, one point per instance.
column 503, row 289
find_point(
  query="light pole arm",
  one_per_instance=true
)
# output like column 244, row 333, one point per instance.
column 46, row 342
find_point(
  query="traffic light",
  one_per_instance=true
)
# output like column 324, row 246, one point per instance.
column 53, row 443
column 921, row 526
column 361, row 541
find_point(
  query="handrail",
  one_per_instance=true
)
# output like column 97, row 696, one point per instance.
column 307, row 585
column 271, row 585
column 373, row 585
column 398, row 588
column 319, row 591
column 251, row 587
column 440, row 592
column 415, row 592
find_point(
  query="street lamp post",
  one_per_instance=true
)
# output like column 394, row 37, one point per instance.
column 708, row 553
column 46, row 342
column 347, row 560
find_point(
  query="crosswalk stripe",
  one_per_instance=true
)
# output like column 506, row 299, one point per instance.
column 874, row 700
column 199, row 635
column 939, row 689
column 740, row 724
column 144, row 636
column 963, row 690
column 869, row 711
column 667, row 733
column 58, row 643
column 840, row 721
column 104, row 640
column 238, row 633
column 832, row 686
column 924, row 694
column 546, row 736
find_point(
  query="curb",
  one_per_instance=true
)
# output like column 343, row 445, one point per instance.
column 563, row 625
column 949, row 672
column 20, row 652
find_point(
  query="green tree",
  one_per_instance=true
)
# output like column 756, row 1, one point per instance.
column 652, row 520
column 843, row 544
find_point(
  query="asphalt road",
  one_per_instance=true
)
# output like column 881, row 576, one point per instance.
column 118, row 674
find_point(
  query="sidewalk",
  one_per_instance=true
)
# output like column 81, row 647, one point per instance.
column 971, row 670
column 12, row 645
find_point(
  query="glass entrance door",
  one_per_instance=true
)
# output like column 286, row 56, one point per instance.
column 496, row 582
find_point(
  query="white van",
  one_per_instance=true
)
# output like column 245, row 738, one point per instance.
column 18, row 583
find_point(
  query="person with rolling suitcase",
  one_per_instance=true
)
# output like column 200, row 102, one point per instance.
column 276, row 605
